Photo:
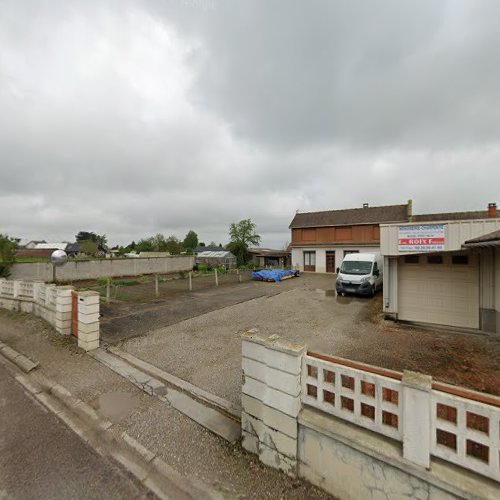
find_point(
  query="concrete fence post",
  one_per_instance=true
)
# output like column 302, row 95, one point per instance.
column 88, row 320
column 190, row 279
column 417, row 418
column 48, row 292
column 157, row 291
column 271, row 399
column 16, row 286
column 63, row 310
column 216, row 278
column 108, row 290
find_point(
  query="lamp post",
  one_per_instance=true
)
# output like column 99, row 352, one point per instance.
column 57, row 259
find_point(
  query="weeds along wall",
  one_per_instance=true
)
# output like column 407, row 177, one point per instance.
column 92, row 269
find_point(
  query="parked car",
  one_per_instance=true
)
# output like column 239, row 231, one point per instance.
column 360, row 273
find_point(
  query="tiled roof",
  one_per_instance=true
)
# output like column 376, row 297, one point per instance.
column 494, row 236
column 479, row 214
column 351, row 216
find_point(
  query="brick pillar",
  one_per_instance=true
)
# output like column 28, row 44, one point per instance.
column 63, row 309
column 417, row 418
column 271, row 399
column 88, row 320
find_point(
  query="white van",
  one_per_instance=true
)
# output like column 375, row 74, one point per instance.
column 361, row 273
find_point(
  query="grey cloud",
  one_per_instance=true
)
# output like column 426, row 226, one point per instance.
column 131, row 118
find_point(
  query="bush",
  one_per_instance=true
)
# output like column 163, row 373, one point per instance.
column 8, row 247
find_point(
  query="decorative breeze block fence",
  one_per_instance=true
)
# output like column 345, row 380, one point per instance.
column 54, row 304
column 429, row 418
column 460, row 430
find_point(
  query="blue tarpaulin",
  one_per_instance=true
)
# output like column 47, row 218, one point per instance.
column 273, row 275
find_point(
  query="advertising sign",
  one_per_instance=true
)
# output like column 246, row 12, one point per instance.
column 422, row 238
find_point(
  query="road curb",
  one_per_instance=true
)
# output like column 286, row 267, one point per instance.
column 83, row 420
column 20, row 360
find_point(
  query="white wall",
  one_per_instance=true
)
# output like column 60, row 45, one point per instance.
column 298, row 255
column 100, row 268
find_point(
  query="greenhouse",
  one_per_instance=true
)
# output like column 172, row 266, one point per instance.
column 221, row 258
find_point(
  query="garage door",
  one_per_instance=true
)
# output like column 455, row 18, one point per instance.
column 440, row 289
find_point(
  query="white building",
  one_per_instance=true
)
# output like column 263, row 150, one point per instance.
column 321, row 240
column 444, row 269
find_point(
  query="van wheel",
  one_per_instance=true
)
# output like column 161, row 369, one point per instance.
column 374, row 289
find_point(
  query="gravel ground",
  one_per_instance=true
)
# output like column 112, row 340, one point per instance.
column 206, row 350
column 183, row 444
column 130, row 319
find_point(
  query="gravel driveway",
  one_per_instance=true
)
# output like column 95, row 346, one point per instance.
column 206, row 350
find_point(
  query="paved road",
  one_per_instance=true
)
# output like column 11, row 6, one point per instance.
column 42, row 458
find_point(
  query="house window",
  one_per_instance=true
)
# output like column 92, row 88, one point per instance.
column 434, row 259
column 309, row 258
column 460, row 260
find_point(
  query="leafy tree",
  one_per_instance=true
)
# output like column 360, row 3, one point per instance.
column 144, row 245
column 8, row 247
column 89, row 247
column 242, row 234
column 239, row 251
column 158, row 243
column 173, row 245
column 190, row 241
column 100, row 240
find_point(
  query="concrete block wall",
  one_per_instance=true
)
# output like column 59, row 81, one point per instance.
column 93, row 269
column 88, row 320
column 54, row 304
column 271, row 399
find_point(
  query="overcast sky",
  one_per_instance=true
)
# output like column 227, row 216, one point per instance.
column 131, row 118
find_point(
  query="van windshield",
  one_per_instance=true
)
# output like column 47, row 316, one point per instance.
column 356, row 267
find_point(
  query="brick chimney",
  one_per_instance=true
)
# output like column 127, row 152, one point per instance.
column 409, row 210
column 492, row 211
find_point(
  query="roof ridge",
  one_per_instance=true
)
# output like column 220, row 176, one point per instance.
column 356, row 208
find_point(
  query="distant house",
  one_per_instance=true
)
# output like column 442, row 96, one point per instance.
column 219, row 258
column 39, row 250
column 32, row 244
column 267, row 257
column 73, row 249
column 320, row 240
column 51, row 246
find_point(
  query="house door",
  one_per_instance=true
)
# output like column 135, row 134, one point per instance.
column 309, row 261
column 74, row 313
column 330, row 262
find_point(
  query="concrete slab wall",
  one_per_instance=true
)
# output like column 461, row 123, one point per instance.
column 100, row 268
column 351, row 463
